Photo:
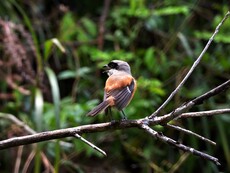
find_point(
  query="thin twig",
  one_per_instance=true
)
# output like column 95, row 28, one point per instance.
column 177, row 165
column 211, row 93
column 68, row 132
column 18, row 122
column 177, row 112
column 192, row 68
column 25, row 127
column 143, row 123
column 102, row 23
column 56, row 134
column 178, row 145
column 18, row 159
column 49, row 167
column 28, row 161
column 190, row 133
column 90, row 144
column 203, row 113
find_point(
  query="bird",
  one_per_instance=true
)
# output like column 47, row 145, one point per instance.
column 119, row 89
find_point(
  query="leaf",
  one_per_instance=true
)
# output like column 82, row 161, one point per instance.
column 58, row 44
column 55, row 94
column 149, row 58
column 82, row 71
column 185, row 44
column 38, row 108
column 48, row 47
column 67, row 27
column 90, row 26
column 67, row 74
column 73, row 74
column 172, row 10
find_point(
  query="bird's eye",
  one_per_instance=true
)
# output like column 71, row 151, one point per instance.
column 113, row 65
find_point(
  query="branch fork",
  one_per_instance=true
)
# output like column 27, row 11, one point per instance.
column 143, row 123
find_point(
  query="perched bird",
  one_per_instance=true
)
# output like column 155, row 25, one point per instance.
column 119, row 87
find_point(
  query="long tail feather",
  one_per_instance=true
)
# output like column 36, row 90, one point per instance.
column 102, row 106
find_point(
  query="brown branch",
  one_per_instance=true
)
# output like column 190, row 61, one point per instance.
column 43, row 136
column 102, row 23
column 178, row 145
column 18, row 159
column 143, row 123
column 25, row 127
column 190, row 133
column 204, row 113
column 21, row 124
column 68, row 132
column 183, row 108
column 28, row 161
column 71, row 132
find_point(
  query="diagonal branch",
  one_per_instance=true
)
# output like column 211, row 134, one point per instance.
column 70, row 132
column 183, row 108
column 21, row 124
column 143, row 123
column 178, row 145
column 90, row 144
column 190, row 133
column 25, row 127
column 192, row 68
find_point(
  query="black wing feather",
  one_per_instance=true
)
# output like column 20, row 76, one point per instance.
column 123, row 99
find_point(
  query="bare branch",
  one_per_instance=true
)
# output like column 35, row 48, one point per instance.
column 71, row 132
column 56, row 134
column 102, row 23
column 28, row 161
column 90, row 144
column 204, row 113
column 177, row 165
column 177, row 112
column 18, row 159
column 18, row 122
column 68, row 132
column 25, row 127
column 178, row 145
column 213, row 92
column 192, row 68
column 143, row 123
column 190, row 133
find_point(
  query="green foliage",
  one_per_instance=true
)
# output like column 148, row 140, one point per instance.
column 60, row 79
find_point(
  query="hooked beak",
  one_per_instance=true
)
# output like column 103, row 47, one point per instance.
column 106, row 68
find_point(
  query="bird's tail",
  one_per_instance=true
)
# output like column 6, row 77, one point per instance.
column 102, row 106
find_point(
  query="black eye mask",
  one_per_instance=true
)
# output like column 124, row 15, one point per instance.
column 113, row 65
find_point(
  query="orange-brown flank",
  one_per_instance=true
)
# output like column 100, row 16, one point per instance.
column 117, row 82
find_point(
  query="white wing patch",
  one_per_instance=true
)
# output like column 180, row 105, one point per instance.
column 128, row 90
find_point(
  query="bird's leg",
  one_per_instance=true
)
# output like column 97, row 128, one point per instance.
column 123, row 116
column 108, row 112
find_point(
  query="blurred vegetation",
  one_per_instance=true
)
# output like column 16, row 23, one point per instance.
column 50, row 72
